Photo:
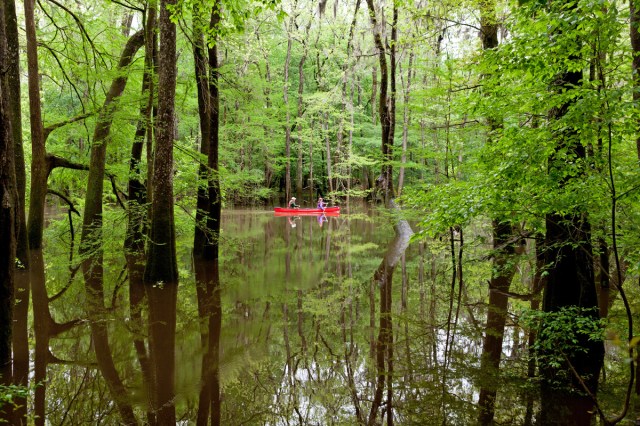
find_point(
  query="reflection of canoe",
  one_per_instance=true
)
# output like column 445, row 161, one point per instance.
column 284, row 211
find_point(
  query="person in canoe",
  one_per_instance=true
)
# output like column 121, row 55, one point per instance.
column 292, row 203
column 321, row 204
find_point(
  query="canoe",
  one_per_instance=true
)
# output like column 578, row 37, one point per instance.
column 285, row 211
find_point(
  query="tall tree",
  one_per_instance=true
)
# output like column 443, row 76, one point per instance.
column 161, row 271
column 37, row 195
column 569, row 259
column 21, row 309
column 285, row 96
column 386, row 101
column 134, row 244
column 206, row 240
column 8, row 211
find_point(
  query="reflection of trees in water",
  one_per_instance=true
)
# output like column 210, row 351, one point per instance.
column 304, row 333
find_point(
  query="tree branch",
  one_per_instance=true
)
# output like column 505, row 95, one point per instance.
column 50, row 128
column 54, row 161
column 65, row 199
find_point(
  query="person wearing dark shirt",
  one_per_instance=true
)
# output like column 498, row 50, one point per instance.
column 292, row 203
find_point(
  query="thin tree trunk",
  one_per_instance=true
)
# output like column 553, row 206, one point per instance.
column 285, row 95
column 327, row 142
column 406, row 117
column 299, row 171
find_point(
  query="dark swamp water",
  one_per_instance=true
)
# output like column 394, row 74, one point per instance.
column 316, row 322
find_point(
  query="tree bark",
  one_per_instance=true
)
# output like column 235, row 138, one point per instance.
column 161, row 271
column 204, row 114
column 299, row 171
column 285, row 95
column 20, row 338
column 215, row 195
column 406, row 118
column 8, row 211
column 39, row 170
column 386, row 104
column 136, row 213
column 35, row 222
column 570, row 281
column 206, row 245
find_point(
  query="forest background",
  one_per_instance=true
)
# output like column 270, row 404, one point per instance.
column 506, row 130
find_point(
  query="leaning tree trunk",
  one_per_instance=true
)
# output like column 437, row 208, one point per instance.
column 91, row 242
column 161, row 271
column 137, row 217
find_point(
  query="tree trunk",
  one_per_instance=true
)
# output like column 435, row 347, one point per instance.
column 570, row 283
column 386, row 104
column 8, row 211
column 20, row 338
column 287, row 128
column 327, row 142
column 405, row 124
column 215, row 195
column 161, row 271
column 204, row 113
column 502, row 271
column 136, row 211
column 206, row 257
column 35, row 222
column 91, row 242
column 383, row 345
column 299, row 171
column 39, row 169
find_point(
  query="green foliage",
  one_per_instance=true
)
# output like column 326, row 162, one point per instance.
column 9, row 393
column 562, row 334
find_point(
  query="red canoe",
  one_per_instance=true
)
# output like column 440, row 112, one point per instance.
column 285, row 211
